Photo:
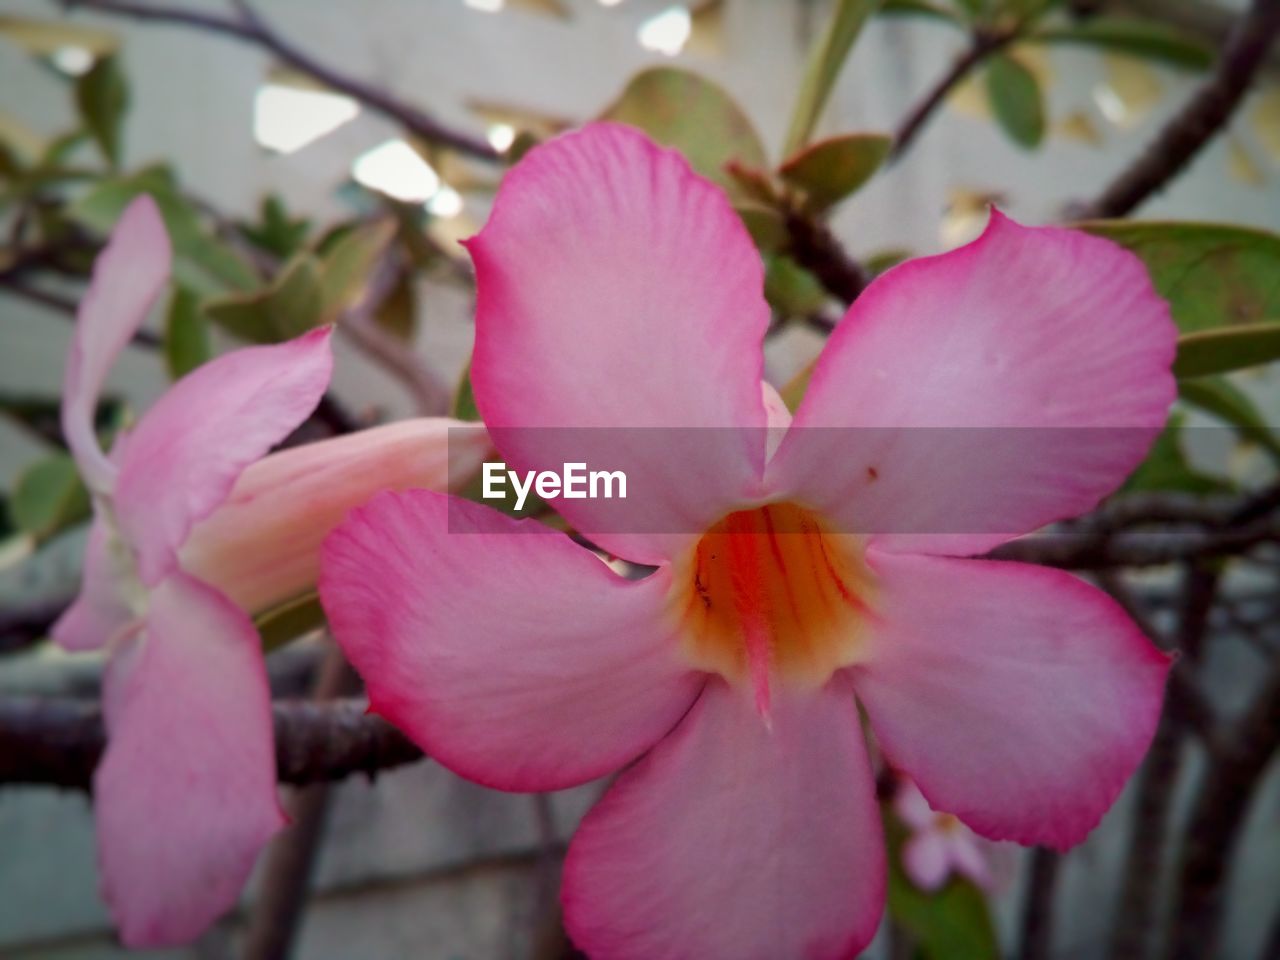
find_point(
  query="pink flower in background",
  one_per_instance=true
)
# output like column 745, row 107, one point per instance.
column 185, row 795
column 619, row 290
column 939, row 844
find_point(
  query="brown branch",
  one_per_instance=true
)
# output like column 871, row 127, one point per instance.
column 1037, row 907
column 816, row 249
column 1205, row 114
column 982, row 45
column 251, row 28
column 290, row 861
column 1217, row 818
column 58, row 741
column 1156, row 781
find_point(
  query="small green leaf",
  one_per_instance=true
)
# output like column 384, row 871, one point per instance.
column 1167, row 468
column 791, row 289
column 953, row 923
column 1148, row 39
column 102, row 95
column 292, row 305
column 825, row 61
column 1212, row 275
column 1016, row 101
column 1231, row 348
column 792, row 392
column 348, row 263
column 681, row 109
column 277, row 232
column 1222, row 399
column 49, row 497
column 830, row 170
column 398, row 314
column 765, row 224
column 464, row 399
column 289, row 621
column 883, row 260
column 186, row 334
column 920, row 8
column 201, row 261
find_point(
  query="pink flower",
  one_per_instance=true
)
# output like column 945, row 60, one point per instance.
column 939, row 844
column 195, row 529
column 619, row 290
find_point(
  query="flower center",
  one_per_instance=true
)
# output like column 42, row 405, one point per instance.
column 770, row 592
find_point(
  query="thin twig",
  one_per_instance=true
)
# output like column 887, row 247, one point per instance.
column 1202, row 117
column 1132, row 935
column 290, row 861
column 57, row 741
column 430, row 394
column 1216, row 822
column 1037, row 907
column 816, row 249
column 983, row 44
column 252, row 28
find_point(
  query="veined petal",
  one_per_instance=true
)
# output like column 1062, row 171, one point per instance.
column 261, row 547
column 978, row 395
column 733, row 840
column 185, row 795
column 128, row 276
column 181, row 461
column 618, row 290
column 1018, row 698
column 508, row 653
column 99, row 610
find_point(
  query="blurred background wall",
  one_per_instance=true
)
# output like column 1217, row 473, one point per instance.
column 420, row 864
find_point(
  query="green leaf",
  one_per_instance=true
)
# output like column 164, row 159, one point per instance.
column 1212, row 275
column 289, row 621
column 883, row 260
column 1148, row 39
column 920, row 8
column 277, row 232
column 825, row 60
column 102, row 95
column 765, row 224
column 1231, row 348
column 464, row 399
column 348, row 263
column 49, row 497
column 292, row 305
column 201, row 262
column 953, row 923
column 398, row 314
column 681, row 109
column 186, row 334
column 830, row 170
column 791, row 289
column 1167, row 468
column 1222, row 399
column 46, row 37
column 1016, row 101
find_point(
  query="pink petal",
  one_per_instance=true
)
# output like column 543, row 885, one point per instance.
column 911, row 806
column 733, row 840
column 996, row 388
column 1018, row 698
column 966, row 856
column 185, row 795
column 181, row 461
column 99, row 611
column 617, row 289
column 925, row 859
column 262, row 545
column 128, row 276
column 507, row 652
